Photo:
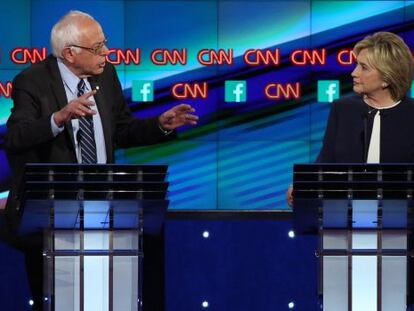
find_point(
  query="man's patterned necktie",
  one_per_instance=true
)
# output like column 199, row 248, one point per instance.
column 86, row 135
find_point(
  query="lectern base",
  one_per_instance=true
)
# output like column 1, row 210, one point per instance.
column 363, row 275
column 94, row 270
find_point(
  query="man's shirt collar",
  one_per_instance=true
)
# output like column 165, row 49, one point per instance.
column 70, row 79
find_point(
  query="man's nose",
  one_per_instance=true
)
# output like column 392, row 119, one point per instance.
column 105, row 51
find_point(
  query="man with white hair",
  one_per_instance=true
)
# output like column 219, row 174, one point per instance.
column 70, row 107
column 73, row 93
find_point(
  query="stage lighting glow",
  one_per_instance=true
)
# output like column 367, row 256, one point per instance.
column 291, row 305
column 31, row 302
column 205, row 304
column 206, row 234
column 291, row 234
column 3, row 195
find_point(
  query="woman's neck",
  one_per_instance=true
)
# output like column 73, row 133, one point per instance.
column 380, row 102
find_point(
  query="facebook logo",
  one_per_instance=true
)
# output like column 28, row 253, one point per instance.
column 328, row 91
column 412, row 89
column 235, row 91
column 142, row 91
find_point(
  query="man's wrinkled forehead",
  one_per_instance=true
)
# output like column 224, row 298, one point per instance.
column 91, row 31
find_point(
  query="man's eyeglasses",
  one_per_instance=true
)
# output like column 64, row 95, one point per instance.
column 97, row 49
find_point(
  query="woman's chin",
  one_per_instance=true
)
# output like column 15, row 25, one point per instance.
column 357, row 90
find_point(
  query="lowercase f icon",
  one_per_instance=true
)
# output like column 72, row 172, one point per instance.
column 235, row 91
column 412, row 89
column 142, row 91
column 328, row 91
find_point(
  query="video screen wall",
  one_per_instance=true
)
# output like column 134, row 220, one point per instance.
column 261, row 75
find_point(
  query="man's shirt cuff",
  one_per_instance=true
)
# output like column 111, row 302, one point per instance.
column 55, row 129
column 165, row 132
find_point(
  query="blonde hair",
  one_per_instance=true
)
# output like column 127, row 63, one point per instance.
column 389, row 54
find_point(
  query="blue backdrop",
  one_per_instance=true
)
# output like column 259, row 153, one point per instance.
column 241, row 154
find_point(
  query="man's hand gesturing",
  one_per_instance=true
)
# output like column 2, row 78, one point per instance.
column 79, row 107
column 178, row 116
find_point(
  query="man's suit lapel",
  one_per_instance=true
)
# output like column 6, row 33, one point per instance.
column 58, row 90
column 104, row 113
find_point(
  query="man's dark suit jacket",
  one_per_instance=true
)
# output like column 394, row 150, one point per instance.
column 349, row 130
column 38, row 92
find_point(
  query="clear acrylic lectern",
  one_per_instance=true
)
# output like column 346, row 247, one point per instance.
column 93, row 218
column 363, row 215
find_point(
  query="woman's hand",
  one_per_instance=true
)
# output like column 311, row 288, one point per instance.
column 289, row 195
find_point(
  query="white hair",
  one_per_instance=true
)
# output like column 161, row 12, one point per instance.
column 67, row 31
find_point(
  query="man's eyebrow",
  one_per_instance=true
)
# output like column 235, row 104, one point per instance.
column 99, row 42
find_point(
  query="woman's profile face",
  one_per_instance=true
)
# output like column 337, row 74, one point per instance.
column 366, row 79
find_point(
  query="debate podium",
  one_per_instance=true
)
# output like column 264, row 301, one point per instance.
column 93, row 218
column 363, row 216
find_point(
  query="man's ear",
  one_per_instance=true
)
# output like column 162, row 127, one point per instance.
column 68, row 54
